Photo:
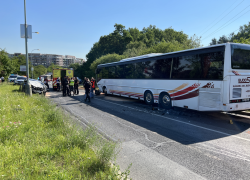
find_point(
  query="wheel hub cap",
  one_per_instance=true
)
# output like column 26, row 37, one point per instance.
column 148, row 97
column 165, row 99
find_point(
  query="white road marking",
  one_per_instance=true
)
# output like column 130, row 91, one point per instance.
column 180, row 121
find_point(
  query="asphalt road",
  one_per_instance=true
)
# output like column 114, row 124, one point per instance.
column 176, row 144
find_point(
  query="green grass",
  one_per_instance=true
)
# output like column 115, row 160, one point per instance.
column 37, row 141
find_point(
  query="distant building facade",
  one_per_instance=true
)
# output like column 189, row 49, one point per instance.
column 46, row 59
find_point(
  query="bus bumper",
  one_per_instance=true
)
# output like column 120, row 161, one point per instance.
column 236, row 106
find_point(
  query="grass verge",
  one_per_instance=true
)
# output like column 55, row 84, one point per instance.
column 37, row 141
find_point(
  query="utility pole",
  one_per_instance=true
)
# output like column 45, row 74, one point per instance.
column 27, row 87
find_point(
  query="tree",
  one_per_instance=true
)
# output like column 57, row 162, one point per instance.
column 5, row 64
column 106, row 59
column 52, row 66
column 39, row 70
column 132, row 42
column 77, row 70
column 241, row 37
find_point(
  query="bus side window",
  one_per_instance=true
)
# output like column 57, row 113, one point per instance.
column 212, row 65
column 99, row 74
column 140, row 70
column 112, row 72
column 130, row 70
column 105, row 72
column 186, row 67
column 120, row 73
column 162, row 68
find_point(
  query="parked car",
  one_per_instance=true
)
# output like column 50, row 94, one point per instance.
column 38, row 86
column 12, row 77
column 20, row 79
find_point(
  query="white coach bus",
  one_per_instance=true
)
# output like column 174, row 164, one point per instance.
column 214, row 78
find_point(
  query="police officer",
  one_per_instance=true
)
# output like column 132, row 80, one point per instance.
column 64, row 84
column 71, row 86
column 76, row 90
column 87, row 89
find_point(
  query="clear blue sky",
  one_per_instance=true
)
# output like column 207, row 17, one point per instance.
column 72, row 27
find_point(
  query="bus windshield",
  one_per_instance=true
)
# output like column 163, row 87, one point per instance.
column 240, row 56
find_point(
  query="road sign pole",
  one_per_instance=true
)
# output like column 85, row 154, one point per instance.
column 27, row 88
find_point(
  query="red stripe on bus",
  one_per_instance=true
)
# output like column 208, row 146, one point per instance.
column 187, row 96
column 184, row 91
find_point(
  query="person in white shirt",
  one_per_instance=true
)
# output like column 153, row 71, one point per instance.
column 2, row 78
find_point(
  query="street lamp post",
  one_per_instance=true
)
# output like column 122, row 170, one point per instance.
column 27, row 88
column 32, row 61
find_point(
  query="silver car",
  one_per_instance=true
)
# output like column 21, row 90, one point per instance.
column 20, row 79
column 38, row 86
column 12, row 77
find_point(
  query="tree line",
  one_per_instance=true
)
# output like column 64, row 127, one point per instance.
column 243, row 36
column 124, row 43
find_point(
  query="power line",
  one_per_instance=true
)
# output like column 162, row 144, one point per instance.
column 225, row 26
column 223, row 17
column 219, row 16
column 227, row 22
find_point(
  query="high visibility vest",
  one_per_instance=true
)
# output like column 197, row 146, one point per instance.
column 71, row 83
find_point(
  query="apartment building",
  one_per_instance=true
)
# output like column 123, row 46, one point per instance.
column 68, row 59
column 46, row 59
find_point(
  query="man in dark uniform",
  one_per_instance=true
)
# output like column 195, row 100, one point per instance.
column 87, row 89
column 76, row 86
column 64, row 85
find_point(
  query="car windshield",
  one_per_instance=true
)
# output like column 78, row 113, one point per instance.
column 21, row 78
column 240, row 56
column 12, row 76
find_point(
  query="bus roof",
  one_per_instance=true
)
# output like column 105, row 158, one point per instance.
column 161, row 54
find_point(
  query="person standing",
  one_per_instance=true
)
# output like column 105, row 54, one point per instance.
column 92, row 87
column 2, row 78
column 64, row 83
column 76, row 86
column 87, row 89
column 58, row 83
column 84, row 82
column 71, row 86
column 67, row 84
column 46, row 83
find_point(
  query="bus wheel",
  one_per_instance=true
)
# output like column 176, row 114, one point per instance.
column 148, row 98
column 165, row 101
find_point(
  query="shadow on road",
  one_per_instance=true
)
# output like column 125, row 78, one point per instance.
column 186, row 126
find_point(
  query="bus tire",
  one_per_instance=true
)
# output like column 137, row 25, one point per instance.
column 165, row 100
column 148, row 97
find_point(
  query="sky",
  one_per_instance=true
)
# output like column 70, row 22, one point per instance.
column 71, row 27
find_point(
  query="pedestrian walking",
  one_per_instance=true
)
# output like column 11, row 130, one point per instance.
column 76, row 86
column 58, row 83
column 87, row 89
column 92, row 87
